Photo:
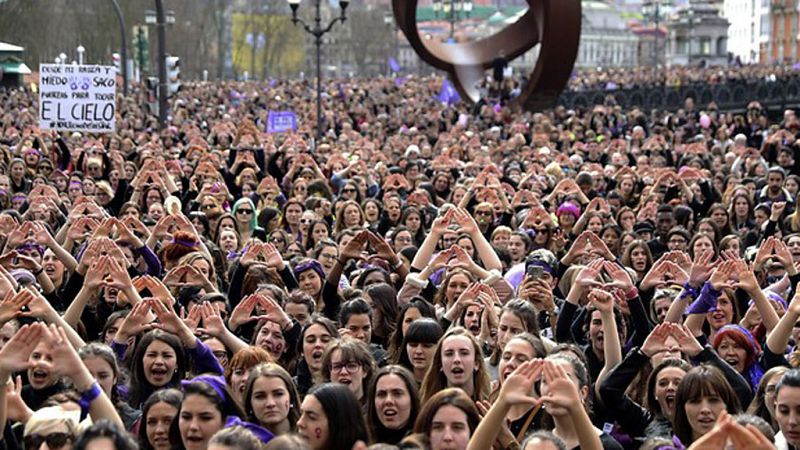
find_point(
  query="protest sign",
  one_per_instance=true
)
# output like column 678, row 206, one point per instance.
column 281, row 121
column 77, row 98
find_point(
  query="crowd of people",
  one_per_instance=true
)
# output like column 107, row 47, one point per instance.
column 424, row 276
column 647, row 76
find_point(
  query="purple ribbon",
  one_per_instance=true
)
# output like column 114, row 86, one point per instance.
column 706, row 302
column 184, row 242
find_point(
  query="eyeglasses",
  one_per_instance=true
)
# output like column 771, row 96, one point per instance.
column 245, row 212
column 351, row 367
column 54, row 440
column 348, row 190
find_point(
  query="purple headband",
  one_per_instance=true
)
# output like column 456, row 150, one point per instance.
column 184, row 242
column 31, row 246
column 217, row 383
column 543, row 265
column 311, row 264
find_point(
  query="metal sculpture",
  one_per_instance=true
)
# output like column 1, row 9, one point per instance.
column 554, row 24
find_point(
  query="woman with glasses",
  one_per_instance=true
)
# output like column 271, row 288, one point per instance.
column 402, row 238
column 54, row 426
column 349, row 362
column 244, row 212
column 327, row 252
column 350, row 192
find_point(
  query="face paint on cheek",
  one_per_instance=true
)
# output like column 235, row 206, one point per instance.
column 317, row 433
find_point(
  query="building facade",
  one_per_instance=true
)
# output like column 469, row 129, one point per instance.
column 606, row 40
column 779, row 42
column 744, row 33
column 698, row 35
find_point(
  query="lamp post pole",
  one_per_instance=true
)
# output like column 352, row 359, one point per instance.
column 452, row 9
column 318, row 31
column 123, row 52
column 161, row 26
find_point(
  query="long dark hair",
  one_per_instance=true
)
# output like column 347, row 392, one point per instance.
column 140, row 387
column 378, row 432
column 172, row 397
column 422, row 331
column 651, row 401
column 346, row 424
column 701, row 381
column 384, row 299
column 224, row 404
column 396, row 341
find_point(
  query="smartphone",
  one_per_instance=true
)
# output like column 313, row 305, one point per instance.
column 534, row 272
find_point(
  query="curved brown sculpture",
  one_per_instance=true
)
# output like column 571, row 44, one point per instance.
column 554, row 24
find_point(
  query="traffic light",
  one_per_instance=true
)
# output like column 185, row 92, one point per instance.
column 140, row 45
column 173, row 74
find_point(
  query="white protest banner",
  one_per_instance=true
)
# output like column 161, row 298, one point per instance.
column 77, row 98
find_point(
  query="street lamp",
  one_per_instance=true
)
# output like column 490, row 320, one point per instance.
column 62, row 57
column 80, row 51
column 653, row 14
column 318, row 31
column 161, row 19
column 453, row 10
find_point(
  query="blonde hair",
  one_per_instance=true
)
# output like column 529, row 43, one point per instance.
column 49, row 417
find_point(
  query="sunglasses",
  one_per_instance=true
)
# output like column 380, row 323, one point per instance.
column 246, row 212
column 207, row 207
column 54, row 440
column 348, row 190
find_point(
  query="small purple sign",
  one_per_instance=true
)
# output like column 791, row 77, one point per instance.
column 281, row 121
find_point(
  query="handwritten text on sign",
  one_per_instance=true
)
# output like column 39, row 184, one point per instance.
column 77, row 98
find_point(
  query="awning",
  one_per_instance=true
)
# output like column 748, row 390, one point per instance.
column 13, row 67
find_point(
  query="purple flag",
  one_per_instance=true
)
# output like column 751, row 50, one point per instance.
column 448, row 94
column 394, row 65
column 281, row 121
column 399, row 81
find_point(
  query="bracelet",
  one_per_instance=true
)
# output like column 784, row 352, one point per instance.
column 398, row 265
column 87, row 397
column 38, row 272
column 690, row 290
